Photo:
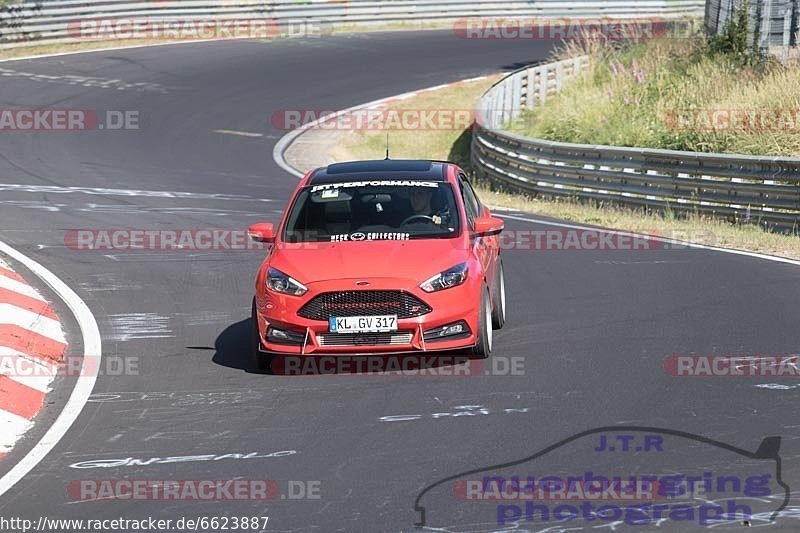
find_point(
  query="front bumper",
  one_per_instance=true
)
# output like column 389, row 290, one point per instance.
column 451, row 306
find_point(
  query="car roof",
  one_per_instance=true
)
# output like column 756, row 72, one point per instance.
column 406, row 169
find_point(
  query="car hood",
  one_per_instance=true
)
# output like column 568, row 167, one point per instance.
column 415, row 259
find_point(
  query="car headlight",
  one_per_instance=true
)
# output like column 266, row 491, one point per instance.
column 280, row 282
column 451, row 277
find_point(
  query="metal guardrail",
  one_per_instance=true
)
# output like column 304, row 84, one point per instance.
column 765, row 189
column 49, row 22
column 525, row 88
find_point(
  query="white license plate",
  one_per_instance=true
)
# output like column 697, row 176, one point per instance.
column 362, row 324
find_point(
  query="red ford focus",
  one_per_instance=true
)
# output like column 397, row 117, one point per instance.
column 376, row 257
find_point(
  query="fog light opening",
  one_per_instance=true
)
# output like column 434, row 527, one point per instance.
column 459, row 328
column 284, row 336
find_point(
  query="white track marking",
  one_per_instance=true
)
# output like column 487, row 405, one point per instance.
column 655, row 238
column 775, row 386
column 12, row 427
column 100, row 191
column 84, row 81
column 19, row 287
column 238, row 133
column 92, row 345
column 128, row 208
column 204, row 318
column 46, row 326
column 129, row 326
column 116, row 48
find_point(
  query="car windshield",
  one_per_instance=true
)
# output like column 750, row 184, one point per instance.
column 373, row 210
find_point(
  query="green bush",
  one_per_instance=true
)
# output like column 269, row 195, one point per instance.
column 732, row 40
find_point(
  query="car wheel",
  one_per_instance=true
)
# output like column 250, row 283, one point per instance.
column 483, row 345
column 260, row 359
column 499, row 302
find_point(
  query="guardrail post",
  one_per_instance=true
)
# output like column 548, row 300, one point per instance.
column 787, row 33
column 508, row 102
column 523, row 89
column 516, row 96
column 798, row 207
column 577, row 64
column 543, row 77
column 766, row 19
column 531, row 73
column 559, row 76
column 497, row 111
column 752, row 22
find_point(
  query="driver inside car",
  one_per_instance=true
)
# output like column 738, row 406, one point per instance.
column 420, row 199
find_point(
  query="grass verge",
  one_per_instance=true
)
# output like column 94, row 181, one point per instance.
column 66, row 48
column 436, row 142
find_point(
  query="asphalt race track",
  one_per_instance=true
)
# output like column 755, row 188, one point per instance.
column 592, row 329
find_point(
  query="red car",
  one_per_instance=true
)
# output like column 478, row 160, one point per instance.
column 376, row 257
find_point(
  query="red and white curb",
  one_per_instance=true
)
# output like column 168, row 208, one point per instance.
column 91, row 345
column 32, row 342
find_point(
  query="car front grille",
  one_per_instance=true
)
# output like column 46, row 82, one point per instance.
column 359, row 303
column 364, row 339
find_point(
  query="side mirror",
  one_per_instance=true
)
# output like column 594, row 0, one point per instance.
column 485, row 226
column 262, row 232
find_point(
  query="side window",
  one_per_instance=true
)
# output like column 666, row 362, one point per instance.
column 478, row 204
column 471, row 203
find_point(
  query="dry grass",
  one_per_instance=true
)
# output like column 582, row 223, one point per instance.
column 449, row 144
column 65, row 48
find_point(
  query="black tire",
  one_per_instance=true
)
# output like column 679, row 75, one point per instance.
column 260, row 359
column 483, row 344
column 499, row 302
